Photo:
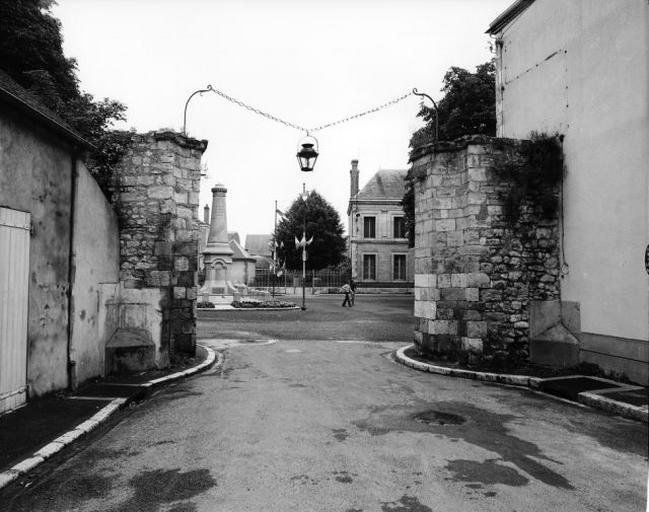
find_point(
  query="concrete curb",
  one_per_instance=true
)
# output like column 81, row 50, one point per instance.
column 8, row 476
column 594, row 399
column 292, row 308
column 589, row 398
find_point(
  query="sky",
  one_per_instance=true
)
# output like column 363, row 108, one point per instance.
column 308, row 62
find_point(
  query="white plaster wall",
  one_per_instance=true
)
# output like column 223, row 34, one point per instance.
column 96, row 263
column 595, row 91
column 35, row 177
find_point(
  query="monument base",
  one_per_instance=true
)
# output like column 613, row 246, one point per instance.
column 218, row 292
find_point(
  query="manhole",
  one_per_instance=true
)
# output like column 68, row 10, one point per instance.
column 439, row 418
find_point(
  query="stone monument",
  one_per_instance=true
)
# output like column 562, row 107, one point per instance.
column 217, row 255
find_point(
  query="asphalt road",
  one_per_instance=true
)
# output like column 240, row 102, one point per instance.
column 318, row 424
column 373, row 318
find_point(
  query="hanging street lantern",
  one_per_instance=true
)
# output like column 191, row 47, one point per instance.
column 307, row 153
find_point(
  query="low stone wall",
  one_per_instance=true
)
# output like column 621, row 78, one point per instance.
column 476, row 273
column 158, row 186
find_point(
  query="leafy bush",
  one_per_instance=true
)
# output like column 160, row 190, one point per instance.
column 205, row 305
column 534, row 173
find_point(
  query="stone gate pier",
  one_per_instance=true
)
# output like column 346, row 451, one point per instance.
column 154, row 306
column 481, row 282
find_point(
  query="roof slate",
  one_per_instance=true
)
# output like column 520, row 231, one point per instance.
column 385, row 184
column 508, row 15
column 258, row 244
column 238, row 252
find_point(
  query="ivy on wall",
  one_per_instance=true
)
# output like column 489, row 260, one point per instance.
column 534, row 173
column 110, row 149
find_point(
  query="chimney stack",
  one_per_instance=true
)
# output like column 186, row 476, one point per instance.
column 353, row 173
column 206, row 214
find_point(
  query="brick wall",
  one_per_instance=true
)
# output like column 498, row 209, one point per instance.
column 476, row 272
column 158, row 186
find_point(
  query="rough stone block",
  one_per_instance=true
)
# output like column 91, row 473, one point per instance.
column 453, row 294
column 477, row 174
column 162, row 248
column 476, row 329
column 168, row 207
column 129, row 197
column 158, row 278
column 471, row 314
column 443, row 280
column 160, row 192
column 445, row 225
column 429, row 309
column 185, row 235
column 478, row 280
column 476, row 198
column 181, row 263
column 445, row 314
column 185, row 279
column 472, row 345
column 442, row 327
column 180, row 292
column 473, row 294
column 455, row 239
column 459, row 280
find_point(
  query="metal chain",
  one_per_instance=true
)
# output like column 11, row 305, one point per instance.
column 257, row 111
column 361, row 114
column 301, row 128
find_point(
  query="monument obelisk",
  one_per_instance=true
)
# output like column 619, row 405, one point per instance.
column 217, row 254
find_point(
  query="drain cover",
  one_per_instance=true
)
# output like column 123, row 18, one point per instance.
column 439, row 418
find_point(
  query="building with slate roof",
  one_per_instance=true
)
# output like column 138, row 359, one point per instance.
column 377, row 244
column 259, row 247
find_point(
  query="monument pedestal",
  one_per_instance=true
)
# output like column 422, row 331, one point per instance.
column 217, row 255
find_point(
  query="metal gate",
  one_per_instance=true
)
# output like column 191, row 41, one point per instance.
column 14, row 282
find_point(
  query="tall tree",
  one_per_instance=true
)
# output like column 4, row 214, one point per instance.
column 31, row 52
column 322, row 222
column 467, row 108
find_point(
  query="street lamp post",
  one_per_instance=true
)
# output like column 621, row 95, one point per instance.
column 302, row 244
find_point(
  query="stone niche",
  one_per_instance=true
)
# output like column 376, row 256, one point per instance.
column 157, row 189
column 477, row 274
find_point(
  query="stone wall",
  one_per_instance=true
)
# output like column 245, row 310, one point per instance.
column 157, row 188
column 476, row 273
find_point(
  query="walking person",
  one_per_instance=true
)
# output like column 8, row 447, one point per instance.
column 352, row 285
column 346, row 289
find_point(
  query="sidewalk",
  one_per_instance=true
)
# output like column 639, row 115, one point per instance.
column 615, row 397
column 33, row 433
